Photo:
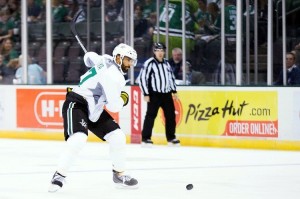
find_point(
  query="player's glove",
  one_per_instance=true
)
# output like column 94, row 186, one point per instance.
column 69, row 89
column 125, row 97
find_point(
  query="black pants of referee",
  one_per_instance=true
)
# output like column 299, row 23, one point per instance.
column 165, row 101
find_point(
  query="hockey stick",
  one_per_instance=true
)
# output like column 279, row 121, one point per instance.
column 73, row 29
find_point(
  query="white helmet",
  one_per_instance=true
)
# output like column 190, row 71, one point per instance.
column 124, row 50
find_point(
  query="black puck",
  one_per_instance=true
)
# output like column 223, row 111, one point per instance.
column 189, row 186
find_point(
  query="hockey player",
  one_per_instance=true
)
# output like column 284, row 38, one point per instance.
column 83, row 110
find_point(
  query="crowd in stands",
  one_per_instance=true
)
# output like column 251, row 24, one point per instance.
column 203, row 26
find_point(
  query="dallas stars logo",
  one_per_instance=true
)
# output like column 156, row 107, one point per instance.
column 83, row 123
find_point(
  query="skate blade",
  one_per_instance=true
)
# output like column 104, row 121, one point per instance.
column 145, row 145
column 123, row 186
column 173, row 145
column 54, row 188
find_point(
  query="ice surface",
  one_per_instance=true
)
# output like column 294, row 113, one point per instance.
column 163, row 172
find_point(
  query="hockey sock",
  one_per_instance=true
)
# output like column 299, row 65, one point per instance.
column 117, row 143
column 74, row 145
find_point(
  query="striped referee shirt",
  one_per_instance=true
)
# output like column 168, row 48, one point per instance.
column 157, row 76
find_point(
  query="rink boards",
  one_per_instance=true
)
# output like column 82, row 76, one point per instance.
column 239, row 117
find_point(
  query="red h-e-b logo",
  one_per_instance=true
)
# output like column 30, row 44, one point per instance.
column 40, row 108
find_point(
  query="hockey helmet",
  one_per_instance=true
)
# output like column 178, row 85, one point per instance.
column 124, row 50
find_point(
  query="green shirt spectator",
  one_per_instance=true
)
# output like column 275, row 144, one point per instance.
column 6, row 25
column 230, row 19
column 174, row 12
column 149, row 7
column 7, row 51
column 59, row 11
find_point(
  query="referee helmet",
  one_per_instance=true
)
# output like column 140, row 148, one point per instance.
column 158, row 45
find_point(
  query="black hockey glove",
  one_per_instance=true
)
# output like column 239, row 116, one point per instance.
column 125, row 97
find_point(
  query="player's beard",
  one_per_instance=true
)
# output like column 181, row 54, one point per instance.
column 125, row 70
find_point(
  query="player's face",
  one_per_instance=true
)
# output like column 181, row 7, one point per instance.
column 127, row 63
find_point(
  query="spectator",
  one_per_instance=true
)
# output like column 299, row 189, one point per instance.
column 6, row 25
column 35, row 73
column 157, row 83
column 230, row 20
column 7, row 51
column 59, row 11
column 140, row 23
column 3, row 5
column 151, row 25
column 214, row 12
column 176, row 62
column 113, row 10
column 14, row 9
column 74, row 8
column 1, row 68
column 292, row 71
column 192, row 77
column 8, row 71
column 202, row 16
column 33, row 10
column 297, row 54
column 42, row 16
column 149, row 9
column 175, row 25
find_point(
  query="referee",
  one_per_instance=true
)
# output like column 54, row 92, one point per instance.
column 157, row 83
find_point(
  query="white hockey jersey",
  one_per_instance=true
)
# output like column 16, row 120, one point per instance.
column 101, row 85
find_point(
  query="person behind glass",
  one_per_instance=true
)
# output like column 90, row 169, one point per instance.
column 113, row 11
column 6, row 25
column 8, row 51
column 140, row 23
column 192, row 77
column 59, row 11
column 33, row 11
column 35, row 73
column 176, row 62
column 293, row 71
column 7, row 71
column 202, row 15
column 157, row 83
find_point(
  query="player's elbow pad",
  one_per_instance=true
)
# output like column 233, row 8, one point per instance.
column 91, row 59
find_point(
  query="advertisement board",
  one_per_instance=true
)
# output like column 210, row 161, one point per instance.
column 225, row 113
column 136, row 114
column 42, row 108
column 7, row 107
column 247, row 117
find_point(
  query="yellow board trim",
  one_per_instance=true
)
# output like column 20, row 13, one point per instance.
column 185, row 141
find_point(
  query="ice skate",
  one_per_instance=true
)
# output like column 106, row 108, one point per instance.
column 174, row 142
column 147, row 143
column 57, row 182
column 124, row 181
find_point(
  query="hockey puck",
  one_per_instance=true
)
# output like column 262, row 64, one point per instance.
column 189, row 186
